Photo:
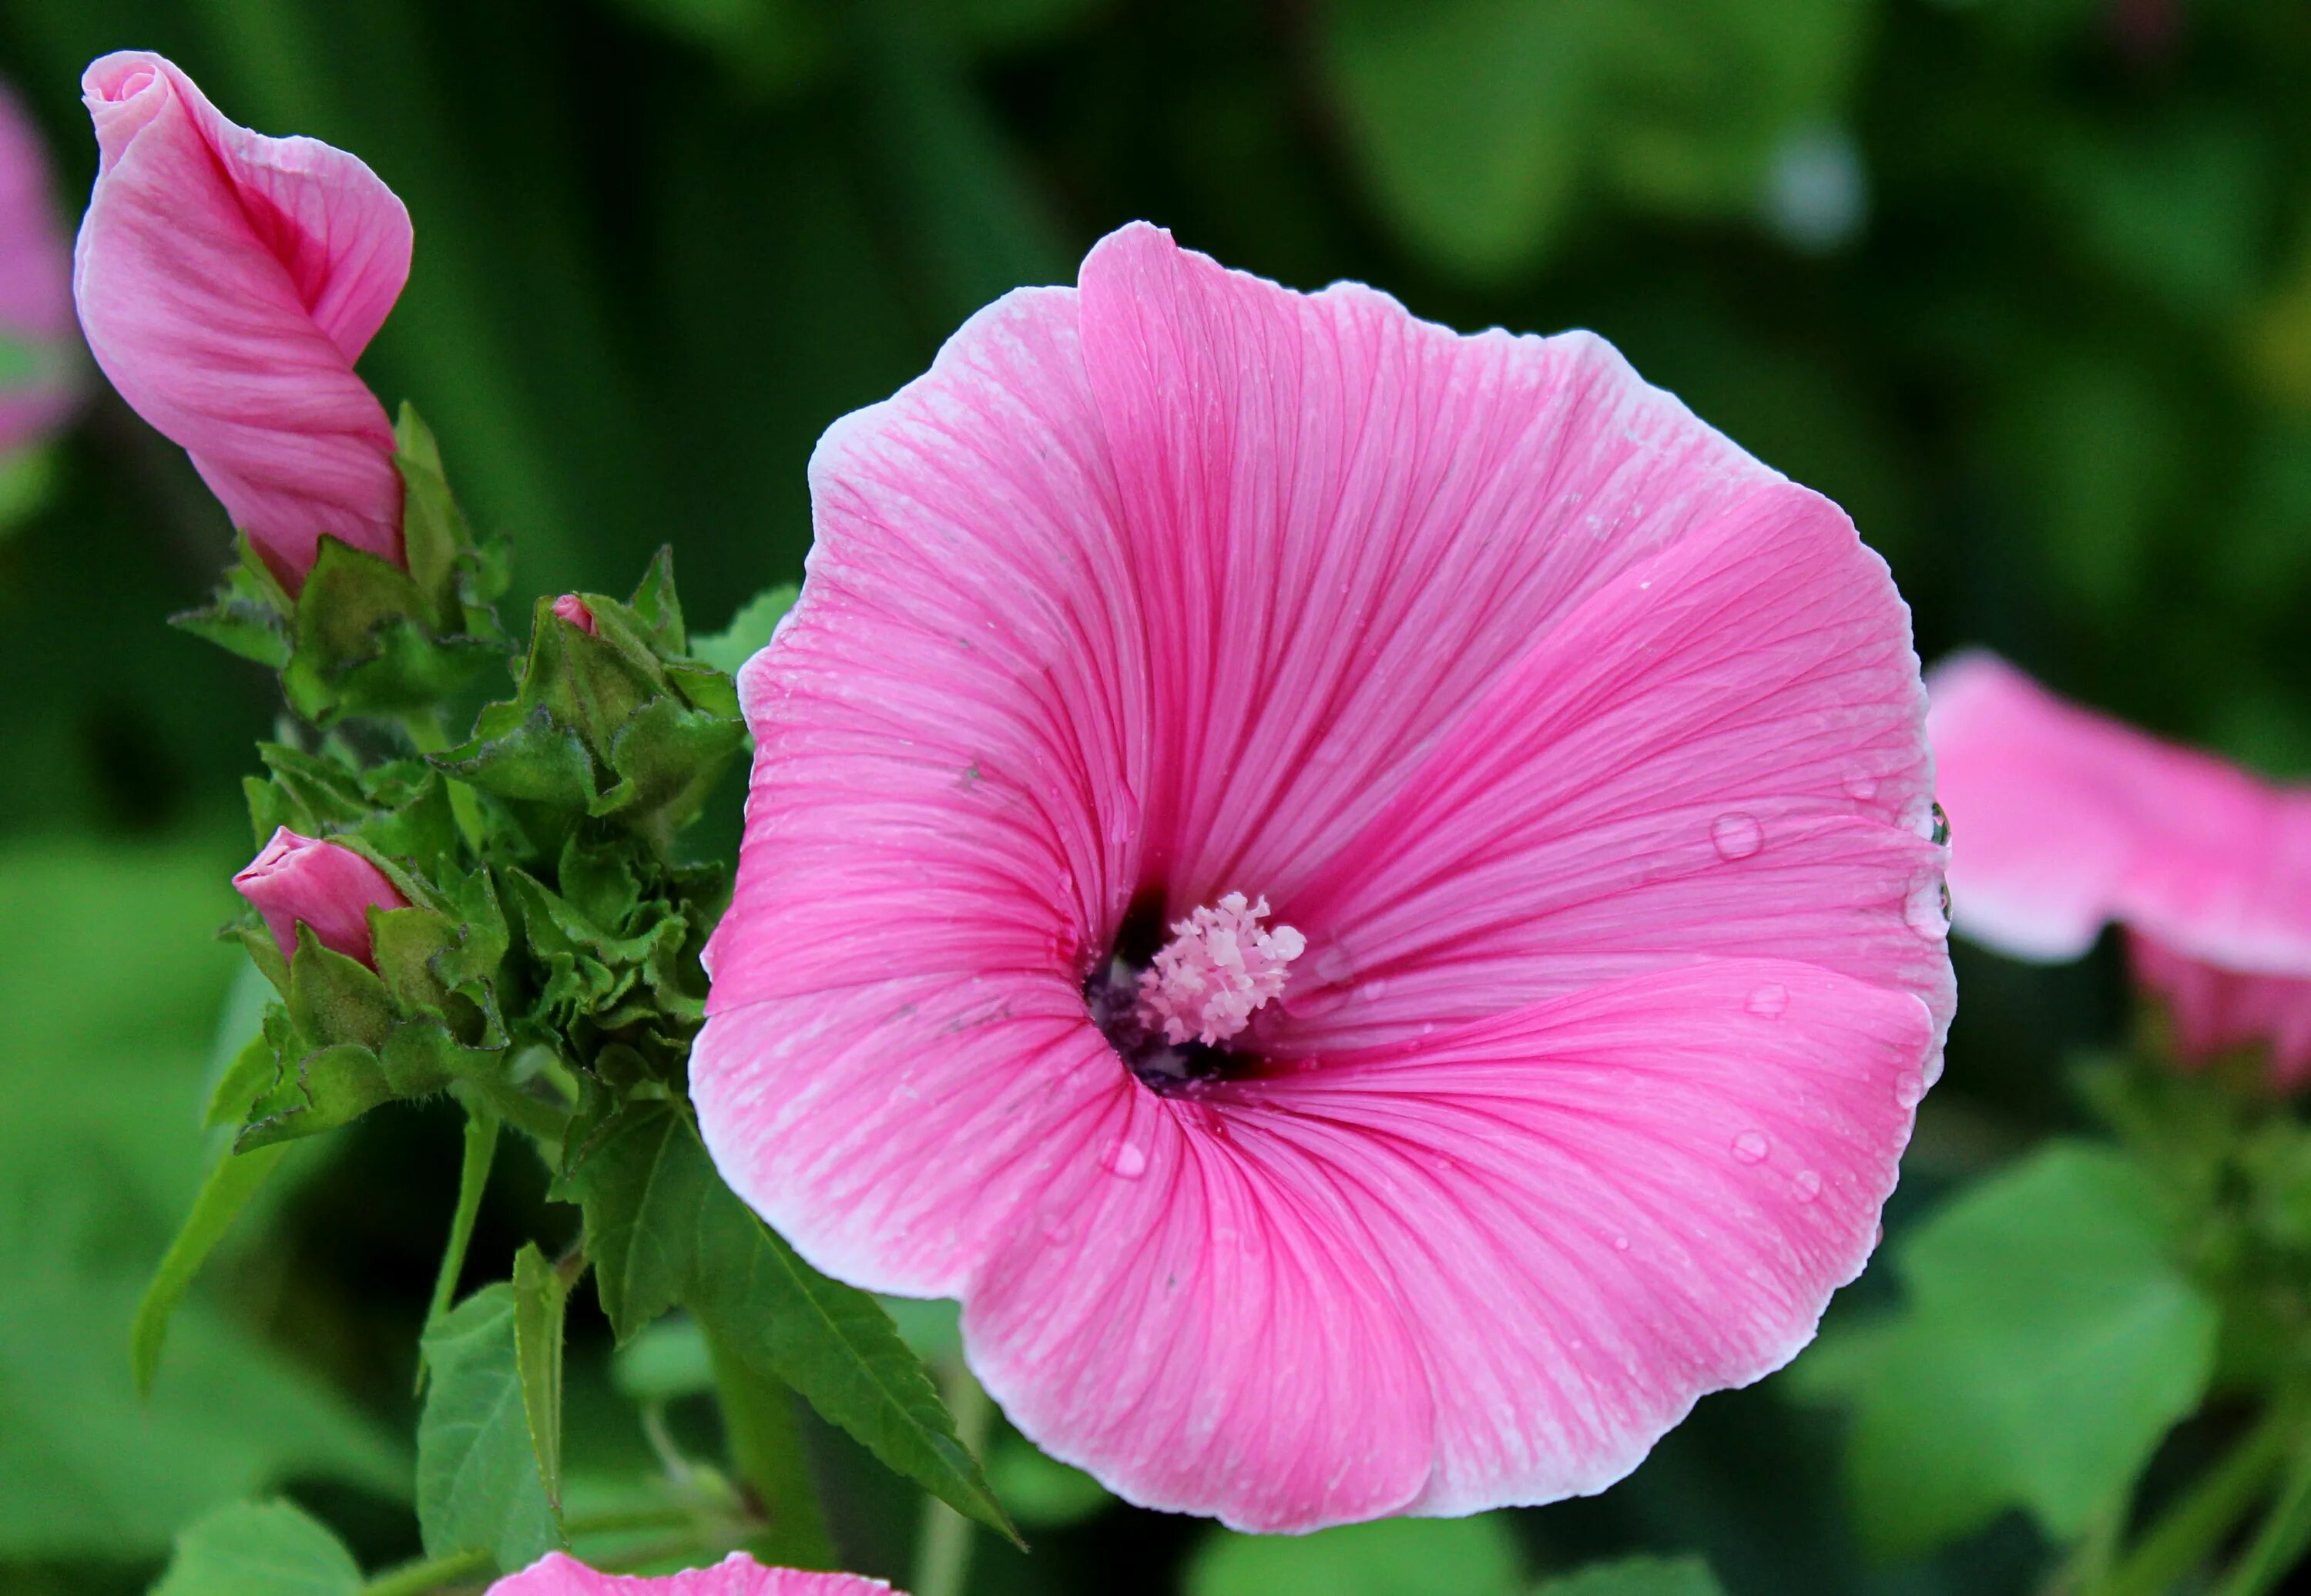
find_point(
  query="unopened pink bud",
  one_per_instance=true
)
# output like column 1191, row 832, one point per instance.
column 227, row 281
column 327, row 885
column 577, row 613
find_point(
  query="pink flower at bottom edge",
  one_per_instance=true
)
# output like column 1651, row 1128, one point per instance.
column 2063, row 821
column 1581, row 756
column 738, row 1575
column 227, row 281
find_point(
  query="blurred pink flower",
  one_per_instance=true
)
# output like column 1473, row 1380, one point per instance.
column 327, row 885
column 2064, row 820
column 227, row 281
column 37, row 384
column 1582, row 757
column 738, row 1574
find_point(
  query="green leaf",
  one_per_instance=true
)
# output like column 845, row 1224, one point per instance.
column 539, row 1296
column 249, row 615
column 253, row 1548
column 667, row 1361
column 2050, row 1341
column 27, row 481
column 1470, row 1556
column 749, row 629
column 766, row 1450
column 662, row 1229
column 473, row 1180
column 480, row 1483
column 1637, row 1576
column 232, row 1181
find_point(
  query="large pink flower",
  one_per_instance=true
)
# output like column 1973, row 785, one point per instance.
column 227, row 281
column 37, row 377
column 2065, row 820
column 738, row 1574
column 1359, row 895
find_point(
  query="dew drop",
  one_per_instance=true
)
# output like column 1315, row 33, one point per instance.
column 1909, row 1087
column 1620, row 1243
column 1058, row 1233
column 1808, row 1184
column 1860, row 786
column 1940, row 835
column 1750, row 1145
column 1736, row 835
column 1128, row 1160
column 1927, row 909
column 1332, row 965
column 1770, row 1001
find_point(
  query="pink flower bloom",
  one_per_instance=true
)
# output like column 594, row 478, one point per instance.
column 738, row 1574
column 577, row 612
column 1581, row 756
column 326, row 885
column 2065, row 820
column 227, row 281
column 37, row 386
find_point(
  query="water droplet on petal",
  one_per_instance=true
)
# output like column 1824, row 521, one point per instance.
column 1909, row 1087
column 1128, row 1160
column 1860, row 786
column 1332, row 965
column 1736, row 835
column 1927, row 909
column 1620, row 1243
column 1940, row 834
column 1770, row 1001
column 1808, row 1184
column 1750, row 1146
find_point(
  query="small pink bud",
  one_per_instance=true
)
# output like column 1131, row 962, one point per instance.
column 327, row 885
column 575, row 610
column 227, row 281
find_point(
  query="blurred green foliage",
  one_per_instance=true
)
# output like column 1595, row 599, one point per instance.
column 2024, row 284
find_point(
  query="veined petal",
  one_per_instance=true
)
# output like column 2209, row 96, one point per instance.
column 1343, row 523
column 1717, row 754
column 1489, row 1268
column 557, row 1574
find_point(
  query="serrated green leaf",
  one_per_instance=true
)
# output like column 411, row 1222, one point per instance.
column 2049, row 1342
column 480, row 1485
column 749, row 631
column 662, row 1229
column 1470, row 1556
column 260, row 1548
column 1637, row 1576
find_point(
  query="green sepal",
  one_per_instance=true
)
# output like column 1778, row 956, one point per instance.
column 395, row 811
column 366, row 643
column 459, row 575
column 617, row 724
column 250, row 614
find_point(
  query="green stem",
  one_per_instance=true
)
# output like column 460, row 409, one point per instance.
column 2286, row 1530
column 427, row 735
column 766, row 1447
column 2194, row 1527
column 414, row 1579
column 942, row 1564
column 473, row 1177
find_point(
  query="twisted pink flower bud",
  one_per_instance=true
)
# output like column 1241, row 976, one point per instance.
column 577, row 612
column 37, row 386
column 227, row 281
column 302, row 880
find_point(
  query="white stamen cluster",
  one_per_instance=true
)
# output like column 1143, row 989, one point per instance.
column 1220, row 966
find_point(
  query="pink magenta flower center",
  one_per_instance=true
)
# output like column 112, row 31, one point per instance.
column 1219, row 968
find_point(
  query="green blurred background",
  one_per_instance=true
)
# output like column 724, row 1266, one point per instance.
column 2026, row 284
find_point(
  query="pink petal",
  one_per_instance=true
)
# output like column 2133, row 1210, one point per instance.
column 35, row 282
column 226, row 283
column 948, row 733
column 1485, row 1268
column 2217, row 1011
column 559, row 1574
column 2061, row 819
column 1706, row 759
column 1343, row 523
